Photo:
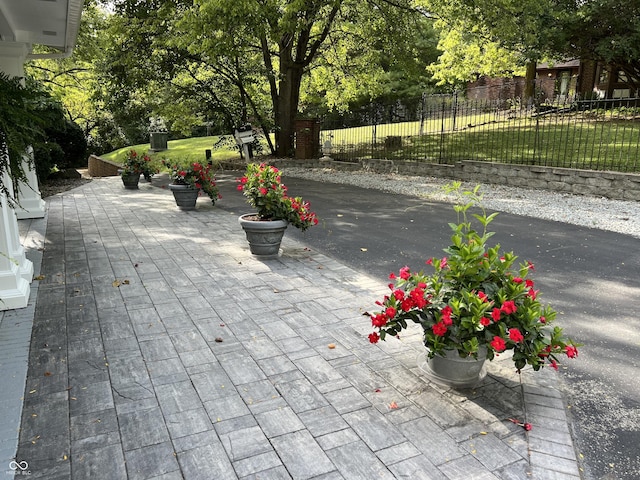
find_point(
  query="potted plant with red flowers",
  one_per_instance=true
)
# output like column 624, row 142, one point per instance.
column 188, row 180
column 133, row 166
column 475, row 305
column 262, row 186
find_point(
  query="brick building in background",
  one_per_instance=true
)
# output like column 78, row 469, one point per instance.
column 559, row 82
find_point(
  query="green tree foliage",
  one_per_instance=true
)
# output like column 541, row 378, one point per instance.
column 250, row 61
column 607, row 31
column 29, row 116
column 74, row 82
column 525, row 31
column 507, row 33
column 20, row 127
column 381, row 55
column 466, row 56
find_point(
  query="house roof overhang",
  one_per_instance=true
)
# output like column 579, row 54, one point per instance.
column 51, row 23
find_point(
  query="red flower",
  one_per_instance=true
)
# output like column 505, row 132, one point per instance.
column 379, row 320
column 483, row 296
column 390, row 312
column 515, row 335
column 398, row 294
column 417, row 296
column 498, row 344
column 485, row 321
column 374, row 337
column 571, row 351
column 443, row 262
column 406, row 304
column 263, row 191
column 543, row 319
column 517, row 280
column 526, row 425
column 429, row 262
column 508, row 307
column 392, row 276
column 554, row 364
column 405, row 273
column 439, row 329
column 495, row 314
column 446, row 315
column 532, row 293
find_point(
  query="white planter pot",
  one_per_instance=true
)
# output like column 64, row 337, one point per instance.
column 451, row 370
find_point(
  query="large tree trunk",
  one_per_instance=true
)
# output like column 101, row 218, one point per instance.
column 288, row 98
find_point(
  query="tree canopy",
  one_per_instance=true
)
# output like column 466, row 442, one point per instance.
column 247, row 60
column 522, row 31
column 223, row 63
column 606, row 31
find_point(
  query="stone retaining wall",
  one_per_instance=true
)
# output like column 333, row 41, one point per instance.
column 618, row 186
column 99, row 167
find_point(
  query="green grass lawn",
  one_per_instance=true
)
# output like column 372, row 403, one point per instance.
column 182, row 151
column 570, row 141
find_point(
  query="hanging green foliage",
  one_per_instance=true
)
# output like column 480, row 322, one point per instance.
column 20, row 127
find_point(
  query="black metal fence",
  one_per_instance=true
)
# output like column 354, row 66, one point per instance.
column 586, row 134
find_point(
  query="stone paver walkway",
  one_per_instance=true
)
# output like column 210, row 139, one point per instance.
column 161, row 349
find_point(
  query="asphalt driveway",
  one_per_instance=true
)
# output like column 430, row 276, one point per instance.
column 591, row 277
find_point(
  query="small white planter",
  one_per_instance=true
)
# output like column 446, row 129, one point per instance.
column 451, row 370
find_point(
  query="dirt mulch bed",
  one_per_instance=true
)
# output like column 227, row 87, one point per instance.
column 52, row 186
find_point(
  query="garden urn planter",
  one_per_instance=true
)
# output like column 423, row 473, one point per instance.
column 264, row 236
column 451, row 370
column 130, row 180
column 185, row 196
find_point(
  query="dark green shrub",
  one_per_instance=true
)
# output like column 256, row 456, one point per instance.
column 47, row 155
column 69, row 136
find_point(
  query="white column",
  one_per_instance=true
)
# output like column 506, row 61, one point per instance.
column 14, row 287
column 16, row 272
column 31, row 203
column 12, row 58
column 14, row 248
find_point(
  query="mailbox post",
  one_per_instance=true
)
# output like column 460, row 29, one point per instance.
column 244, row 138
